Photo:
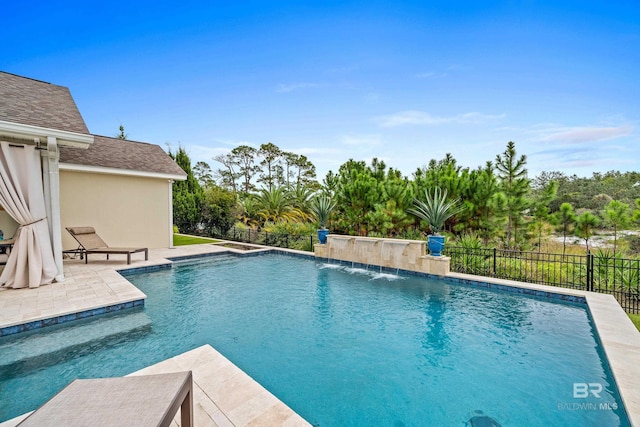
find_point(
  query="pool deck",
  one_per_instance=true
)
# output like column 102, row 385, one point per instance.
column 226, row 396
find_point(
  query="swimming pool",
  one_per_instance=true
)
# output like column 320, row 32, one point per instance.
column 343, row 346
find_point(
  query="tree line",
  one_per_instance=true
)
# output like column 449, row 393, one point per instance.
column 245, row 168
column 268, row 188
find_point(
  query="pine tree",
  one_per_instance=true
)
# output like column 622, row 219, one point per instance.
column 480, row 202
column 585, row 223
column 565, row 218
column 272, row 174
column 540, row 207
column 202, row 172
column 515, row 186
column 357, row 193
column 121, row 135
column 617, row 215
column 187, row 196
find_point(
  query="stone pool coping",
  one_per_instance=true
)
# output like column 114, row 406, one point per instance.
column 90, row 288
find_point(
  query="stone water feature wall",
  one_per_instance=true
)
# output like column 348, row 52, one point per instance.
column 391, row 253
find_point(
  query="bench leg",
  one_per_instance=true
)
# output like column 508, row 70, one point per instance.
column 186, row 411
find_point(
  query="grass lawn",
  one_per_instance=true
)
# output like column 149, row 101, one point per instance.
column 635, row 318
column 182, row 240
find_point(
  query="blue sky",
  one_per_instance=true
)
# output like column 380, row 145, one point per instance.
column 402, row 81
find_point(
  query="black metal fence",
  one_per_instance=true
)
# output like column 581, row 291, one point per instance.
column 600, row 272
column 280, row 240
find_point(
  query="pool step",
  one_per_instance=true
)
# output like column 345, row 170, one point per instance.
column 44, row 345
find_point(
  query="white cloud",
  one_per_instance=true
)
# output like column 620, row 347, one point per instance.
column 233, row 143
column 202, row 152
column 477, row 118
column 361, row 139
column 427, row 75
column 586, row 134
column 372, row 97
column 307, row 151
column 408, row 118
column 206, row 153
column 415, row 117
column 345, row 69
column 290, row 87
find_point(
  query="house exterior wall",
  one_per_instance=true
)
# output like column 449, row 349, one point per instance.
column 126, row 211
column 7, row 224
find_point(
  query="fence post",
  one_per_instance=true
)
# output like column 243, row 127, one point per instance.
column 266, row 238
column 495, row 254
column 589, row 271
column 311, row 240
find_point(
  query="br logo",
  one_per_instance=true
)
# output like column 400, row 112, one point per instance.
column 582, row 390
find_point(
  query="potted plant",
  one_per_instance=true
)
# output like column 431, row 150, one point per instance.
column 435, row 210
column 321, row 207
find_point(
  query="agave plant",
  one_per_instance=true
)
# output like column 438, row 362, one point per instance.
column 435, row 210
column 321, row 206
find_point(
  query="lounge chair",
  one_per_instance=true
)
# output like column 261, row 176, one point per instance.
column 5, row 248
column 91, row 243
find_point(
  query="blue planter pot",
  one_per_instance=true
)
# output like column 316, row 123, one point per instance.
column 322, row 235
column 435, row 245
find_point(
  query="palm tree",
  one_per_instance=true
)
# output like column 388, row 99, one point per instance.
column 249, row 211
column 277, row 205
column 301, row 197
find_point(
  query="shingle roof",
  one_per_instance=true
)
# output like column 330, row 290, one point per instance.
column 32, row 102
column 122, row 154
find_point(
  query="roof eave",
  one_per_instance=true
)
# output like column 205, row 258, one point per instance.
column 113, row 171
column 29, row 132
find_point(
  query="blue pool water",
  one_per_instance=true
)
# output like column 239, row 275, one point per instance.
column 340, row 346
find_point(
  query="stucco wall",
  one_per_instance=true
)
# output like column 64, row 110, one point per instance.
column 126, row 211
column 7, row 225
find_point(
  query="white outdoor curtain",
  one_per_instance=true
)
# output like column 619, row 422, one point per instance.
column 31, row 261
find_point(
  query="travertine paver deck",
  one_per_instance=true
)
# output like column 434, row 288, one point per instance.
column 86, row 286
